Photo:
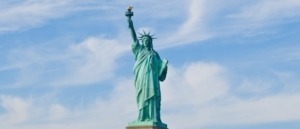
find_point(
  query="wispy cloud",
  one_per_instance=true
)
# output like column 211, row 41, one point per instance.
column 207, row 19
column 16, row 16
column 193, row 29
column 261, row 17
column 92, row 60
column 269, row 11
column 30, row 13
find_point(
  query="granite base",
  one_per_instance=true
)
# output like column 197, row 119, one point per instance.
column 145, row 127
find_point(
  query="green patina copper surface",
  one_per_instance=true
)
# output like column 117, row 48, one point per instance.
column 149, row 70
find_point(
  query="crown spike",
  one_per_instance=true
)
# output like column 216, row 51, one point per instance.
column 146, row 34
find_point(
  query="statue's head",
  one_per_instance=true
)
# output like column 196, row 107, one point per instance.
column 147, row 39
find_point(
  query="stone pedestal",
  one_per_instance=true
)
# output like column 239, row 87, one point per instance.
column 145, row 127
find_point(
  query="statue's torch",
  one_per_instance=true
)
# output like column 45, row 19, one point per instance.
column 129, row 13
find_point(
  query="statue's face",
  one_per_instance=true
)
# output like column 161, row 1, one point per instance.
column 147, row 41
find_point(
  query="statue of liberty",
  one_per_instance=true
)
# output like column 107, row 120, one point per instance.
column 149, row 70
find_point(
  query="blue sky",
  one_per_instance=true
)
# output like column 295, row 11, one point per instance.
column 232, row 64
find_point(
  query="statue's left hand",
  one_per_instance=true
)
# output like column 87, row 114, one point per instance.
column 166, row 61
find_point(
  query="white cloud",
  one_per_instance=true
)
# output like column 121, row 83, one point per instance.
column 57, row 112
column 194, row 27
column 262, row 18
column 22, row 15
column 266, row 10
column 198, row 93
column 277, row 108
column 17, row 108
column 189, row 89
column 254, row 86
column 289, row 80
column 91, row 61
column 201, row 82
column 112, row 111
column 31, row 13
column 207, row 19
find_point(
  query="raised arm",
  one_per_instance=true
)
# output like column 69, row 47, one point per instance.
column 133, row 34
column 129, row 14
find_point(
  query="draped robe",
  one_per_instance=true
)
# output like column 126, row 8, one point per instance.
column 149, row 69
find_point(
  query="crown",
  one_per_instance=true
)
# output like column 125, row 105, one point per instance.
column 146, row 35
